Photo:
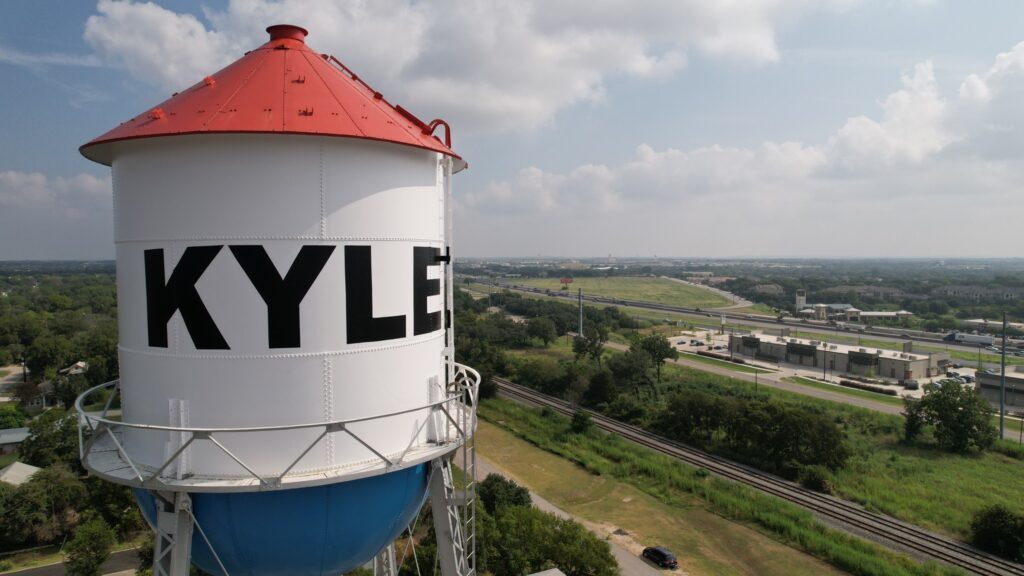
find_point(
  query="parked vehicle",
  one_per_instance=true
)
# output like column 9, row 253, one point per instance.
column 661, row 557
column 968, row 379
column 911, row 385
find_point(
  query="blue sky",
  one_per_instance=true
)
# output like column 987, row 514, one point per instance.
column 671, row 127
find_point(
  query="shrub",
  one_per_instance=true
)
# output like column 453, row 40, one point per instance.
column 580, row 423
column 999, row 531
column 815, row 478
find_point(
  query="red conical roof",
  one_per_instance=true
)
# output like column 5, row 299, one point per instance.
column 281, row 87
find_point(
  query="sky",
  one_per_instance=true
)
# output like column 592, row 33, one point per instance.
column 675, row 128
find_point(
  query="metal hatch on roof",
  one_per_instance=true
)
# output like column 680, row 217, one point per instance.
column 282, row 87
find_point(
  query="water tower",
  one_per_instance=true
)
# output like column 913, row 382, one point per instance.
column 288, row 388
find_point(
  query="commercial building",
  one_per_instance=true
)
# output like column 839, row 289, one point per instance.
column 988, row 386
column 841, row 358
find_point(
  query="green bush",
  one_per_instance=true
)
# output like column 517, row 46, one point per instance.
column 816, row 478
column 90, row 547
column 999, row 531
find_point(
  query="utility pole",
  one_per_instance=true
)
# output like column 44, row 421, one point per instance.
column 579, row 296
column 1002, row 383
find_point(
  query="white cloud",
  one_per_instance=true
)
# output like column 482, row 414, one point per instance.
column 72, row 196
column 484, row 65
column 43, row 216
column 913, row 126
column 924, row 161
column 158, row 46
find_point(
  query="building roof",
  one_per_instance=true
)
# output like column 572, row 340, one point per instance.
column 834, row 348
column 17, row 473
column 14, row 435
column 282, row 87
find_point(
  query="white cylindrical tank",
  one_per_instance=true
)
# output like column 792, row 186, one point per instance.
column 340, row 222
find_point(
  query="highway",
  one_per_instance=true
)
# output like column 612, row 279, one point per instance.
column 879, row 333
column 896, row 534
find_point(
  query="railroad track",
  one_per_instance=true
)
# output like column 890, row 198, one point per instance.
column 908, row 536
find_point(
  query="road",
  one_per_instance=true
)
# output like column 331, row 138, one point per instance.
column 10, row 382
column 126, row 560
column 629, row 560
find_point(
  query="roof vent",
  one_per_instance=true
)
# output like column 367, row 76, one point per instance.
column 287, row 32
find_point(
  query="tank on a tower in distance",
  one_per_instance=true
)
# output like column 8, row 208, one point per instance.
column 282, row 235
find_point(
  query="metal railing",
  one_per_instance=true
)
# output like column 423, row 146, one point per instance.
column 102, row 450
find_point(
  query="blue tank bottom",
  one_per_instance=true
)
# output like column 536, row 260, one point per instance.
column 320, row 530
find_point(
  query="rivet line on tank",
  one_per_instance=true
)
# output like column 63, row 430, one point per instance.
column 289, row 355
column 305, row 237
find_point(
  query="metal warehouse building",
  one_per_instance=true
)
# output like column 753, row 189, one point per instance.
column 840, row 358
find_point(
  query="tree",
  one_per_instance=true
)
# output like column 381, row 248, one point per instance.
column 659, row 349
column 543, row 329
column 11, row 417
column 115, row 504
column 90, row 547
column 44, row 508
column 53, row 438
column 999, row 531
column 913, row 419
column 631, row 370
column 49, row 353
column 534, row 540
column 496, row 492
column 961, row 417
column 600, row 390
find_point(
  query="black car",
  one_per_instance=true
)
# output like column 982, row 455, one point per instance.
column 661, row 557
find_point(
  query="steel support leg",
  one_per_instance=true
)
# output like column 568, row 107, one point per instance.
column 384, row 563
column 173, row 547
column 446, row 504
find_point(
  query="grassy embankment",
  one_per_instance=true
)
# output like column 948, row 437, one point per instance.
column 645, row 289
column 706, row 542
column 757, row 308
column 914, row 483
column 877, row 397
column 722, row 364
column 675, row 485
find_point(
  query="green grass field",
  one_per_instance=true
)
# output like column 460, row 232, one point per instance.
column 810, row 383
column 4, row 373
column 658, row 290
column 704, row 541
column 757, row 308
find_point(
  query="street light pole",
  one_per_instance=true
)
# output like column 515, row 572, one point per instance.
column 1002, row 383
